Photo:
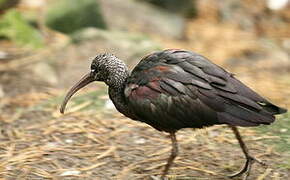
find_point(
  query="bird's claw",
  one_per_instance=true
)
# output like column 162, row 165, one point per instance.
column 258, row 161
column 247, row 167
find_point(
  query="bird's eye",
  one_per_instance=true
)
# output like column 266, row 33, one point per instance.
column 93, row 71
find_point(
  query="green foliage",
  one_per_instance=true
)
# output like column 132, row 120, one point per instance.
column 2, row 2
column 280, row 128
column 67, row 16
column 14, row 27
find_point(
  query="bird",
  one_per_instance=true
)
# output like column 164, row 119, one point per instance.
column 174, row 89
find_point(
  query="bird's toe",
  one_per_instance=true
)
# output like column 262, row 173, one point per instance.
column 247, row 167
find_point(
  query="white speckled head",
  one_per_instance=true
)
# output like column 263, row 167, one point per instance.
column 105, row 67
column 109, row 69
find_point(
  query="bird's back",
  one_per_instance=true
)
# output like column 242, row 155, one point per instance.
column 176, row 89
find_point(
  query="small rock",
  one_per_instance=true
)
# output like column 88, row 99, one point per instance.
column 286, row 43
column 45, row 72
column 2, row 94
column 34, row 3
column 280, row 56
column 52, row 144
column 70, row 173
column 283, row 130
column 3, row 55
column 213, row 133
column 277, row 4
column 140, row 141
column 69, row 141
column 142, row 17
column 9, row 168
column 109, row 105
column 123, row 44
column 156, row 177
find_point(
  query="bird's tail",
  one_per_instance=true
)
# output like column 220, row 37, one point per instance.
column 273, row 109
column 238, row 115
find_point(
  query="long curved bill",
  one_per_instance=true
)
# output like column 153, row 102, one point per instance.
column 85, row 80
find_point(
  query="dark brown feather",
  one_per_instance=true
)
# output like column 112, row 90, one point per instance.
column 190, row 91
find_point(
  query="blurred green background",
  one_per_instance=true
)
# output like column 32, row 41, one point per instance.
column 46, row 46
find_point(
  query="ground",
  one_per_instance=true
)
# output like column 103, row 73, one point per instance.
column 39, row 143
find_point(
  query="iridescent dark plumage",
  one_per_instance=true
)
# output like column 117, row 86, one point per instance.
column 175, row 89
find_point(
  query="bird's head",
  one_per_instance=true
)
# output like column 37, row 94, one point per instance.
column 104, row 67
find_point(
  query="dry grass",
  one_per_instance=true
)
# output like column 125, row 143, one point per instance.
column 39, row 143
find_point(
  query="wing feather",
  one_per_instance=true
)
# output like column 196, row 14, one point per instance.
column 190, row 91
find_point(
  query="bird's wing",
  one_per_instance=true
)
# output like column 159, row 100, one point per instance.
column 184, row 89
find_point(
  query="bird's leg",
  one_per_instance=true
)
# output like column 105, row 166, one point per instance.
column 174, row 152
column 249, row 159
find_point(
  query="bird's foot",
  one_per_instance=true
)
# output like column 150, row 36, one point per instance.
column 247, row 167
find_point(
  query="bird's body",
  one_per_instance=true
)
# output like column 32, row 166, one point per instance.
column 175, row 89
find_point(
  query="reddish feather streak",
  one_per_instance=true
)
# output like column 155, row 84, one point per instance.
column 144, row 92
column 155, row 85
column 153, row 89
column 161, row 68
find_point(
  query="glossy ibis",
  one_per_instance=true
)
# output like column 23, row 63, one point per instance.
column 175, row 89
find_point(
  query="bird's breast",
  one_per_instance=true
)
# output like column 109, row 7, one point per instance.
column 137, row 92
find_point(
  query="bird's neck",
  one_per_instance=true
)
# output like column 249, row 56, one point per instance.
column 116, row 91
column 118, row 98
